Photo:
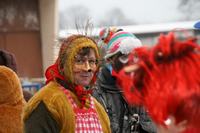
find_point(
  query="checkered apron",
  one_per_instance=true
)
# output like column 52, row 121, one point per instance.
column 86, row 119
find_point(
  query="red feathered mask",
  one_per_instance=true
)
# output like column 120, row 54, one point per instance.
column 166, row 80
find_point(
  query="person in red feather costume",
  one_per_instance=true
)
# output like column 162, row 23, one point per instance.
column 166, row 80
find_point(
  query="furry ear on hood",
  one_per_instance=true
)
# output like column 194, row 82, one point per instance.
column 11, row 102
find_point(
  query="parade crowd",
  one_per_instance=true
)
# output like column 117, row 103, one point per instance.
column 137, row 88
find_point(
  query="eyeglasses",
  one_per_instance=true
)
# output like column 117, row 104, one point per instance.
column 83, row 61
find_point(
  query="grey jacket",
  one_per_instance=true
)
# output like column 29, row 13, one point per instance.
column 123, row 117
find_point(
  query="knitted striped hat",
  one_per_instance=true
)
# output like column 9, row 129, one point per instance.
column 123, row 42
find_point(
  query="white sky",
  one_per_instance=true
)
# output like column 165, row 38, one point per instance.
column 140, row 11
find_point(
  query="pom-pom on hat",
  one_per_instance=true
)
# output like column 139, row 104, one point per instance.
column 123, row 42
column 106, row 33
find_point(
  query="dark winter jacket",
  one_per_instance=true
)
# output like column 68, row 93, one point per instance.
column 123, row 118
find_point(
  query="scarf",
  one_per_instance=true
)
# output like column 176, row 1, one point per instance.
column 52, row 73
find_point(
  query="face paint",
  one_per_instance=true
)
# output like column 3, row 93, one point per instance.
column 83, row 63
column 84, row 68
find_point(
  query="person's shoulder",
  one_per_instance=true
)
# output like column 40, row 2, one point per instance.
column 104, row 68
column 98, row 105
column 47, row 94
column 52, row 89
column 51, row 95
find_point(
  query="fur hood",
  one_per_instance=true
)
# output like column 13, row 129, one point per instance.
column 11, row 102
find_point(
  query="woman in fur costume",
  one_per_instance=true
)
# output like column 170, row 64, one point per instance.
column 65, row 105
column 11, row 102
column 166, row 80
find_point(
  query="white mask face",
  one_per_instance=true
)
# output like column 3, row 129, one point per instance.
column 123, row 59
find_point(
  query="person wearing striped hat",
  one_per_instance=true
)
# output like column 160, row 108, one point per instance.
column 65, row 104
column 123, row 117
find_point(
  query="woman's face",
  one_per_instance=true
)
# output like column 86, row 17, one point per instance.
column 84, row 66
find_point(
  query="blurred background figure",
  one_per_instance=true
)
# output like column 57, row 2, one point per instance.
column 124, row 118
column 11, row 102
column 8, row 59
column 165, row 79
column 197, row 25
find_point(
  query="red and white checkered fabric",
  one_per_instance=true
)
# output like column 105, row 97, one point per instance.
column 87, row 120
